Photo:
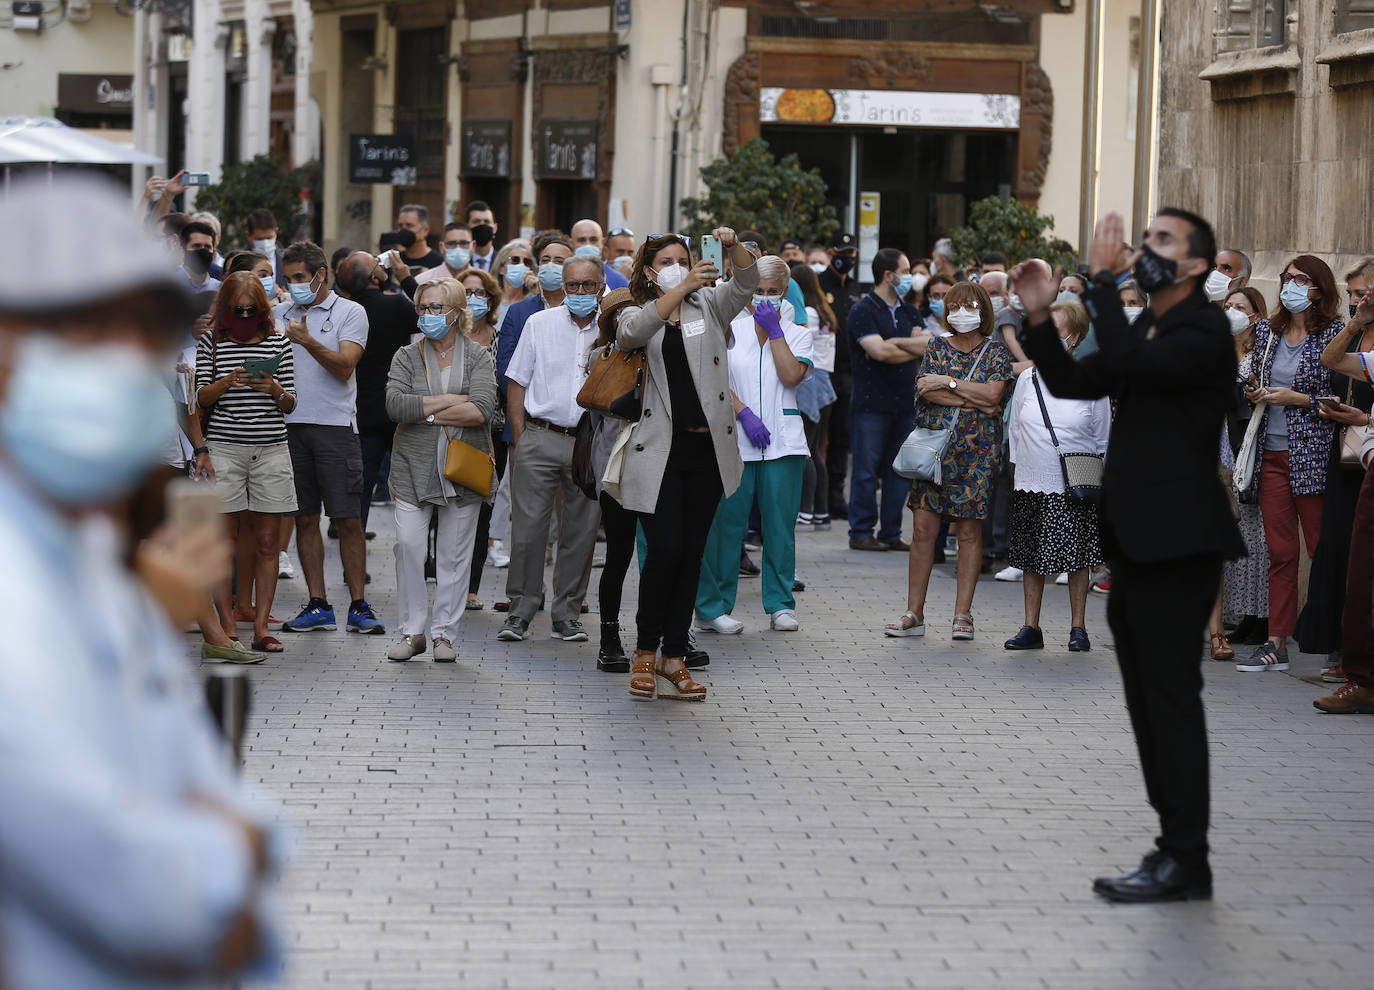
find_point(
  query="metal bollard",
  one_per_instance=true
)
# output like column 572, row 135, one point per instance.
column 228, row 692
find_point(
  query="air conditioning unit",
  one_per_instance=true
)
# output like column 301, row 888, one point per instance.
column 28, row 15
column 78, row 11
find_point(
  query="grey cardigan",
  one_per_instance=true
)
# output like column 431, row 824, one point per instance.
column 646, row 457
column 415, row 463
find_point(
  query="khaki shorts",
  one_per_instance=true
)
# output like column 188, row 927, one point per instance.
column 253, row 478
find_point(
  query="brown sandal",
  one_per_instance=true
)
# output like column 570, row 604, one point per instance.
column 678, row 686
column 1221, row 650
column 642, row 679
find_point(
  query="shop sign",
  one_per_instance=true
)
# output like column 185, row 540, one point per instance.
column 95, row 93
column 622, row 15
column 870, row 209
column 382, row 158
column 890, row 108
column 566, row 149
column 486, row 148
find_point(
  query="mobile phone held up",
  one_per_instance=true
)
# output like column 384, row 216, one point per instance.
column 196, row 179
column 711, row 251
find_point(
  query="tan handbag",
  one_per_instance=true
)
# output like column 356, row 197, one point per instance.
column 465, row 464
column 615, row 383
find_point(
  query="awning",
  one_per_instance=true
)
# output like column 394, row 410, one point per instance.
column 38, row 140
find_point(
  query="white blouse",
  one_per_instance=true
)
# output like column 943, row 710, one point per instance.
column 1083, row 426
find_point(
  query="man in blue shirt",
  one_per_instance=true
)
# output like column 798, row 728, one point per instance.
column 886, row 344
column 550, row 250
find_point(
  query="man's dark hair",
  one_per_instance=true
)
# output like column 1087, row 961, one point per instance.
column 1202, row 243
column 307, row 253
column 337, row 257
column 994, row 258
column 354, row 274
column 475, row 206
column 421, row 212
column 171, row 223
column 886, row 260
column 456, row 225
column 196, row 227
column 546, row 237
column 261, row 219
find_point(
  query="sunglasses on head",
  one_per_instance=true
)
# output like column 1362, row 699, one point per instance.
column 621, row 232
column 682, row 237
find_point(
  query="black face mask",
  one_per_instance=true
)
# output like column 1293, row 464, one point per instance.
column 198, row 261
column 483, row 234
column 1154, row 272
column 842, row 263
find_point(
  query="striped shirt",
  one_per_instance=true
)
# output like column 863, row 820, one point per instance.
column 244, row 415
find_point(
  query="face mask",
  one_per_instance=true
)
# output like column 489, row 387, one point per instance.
column 962, row 321
column 198, row 261
column 302, row 293
column 551, row 276
column 483, row 234
column 1294, row 298
column 624, row 263
column 457, row 258
column 243, row 328
column 581, row 305
column 760, row 299
column 669, row 277
column 1067, row 296
column 919, row 281
column 1352, row 307
column 937, row 308
column 842, row 263
column 96, row 436
column 478, row 307
column 515, row 274
column 1238, row 320
column 1016, row 303
column 433, row 325
column 903, row 285
column 1153, row 272
column 1216, row 286
column 588, row 251
column 816, row 267
column 1132, row 312
column 269, row 285
column 999, row 302
column 266, row 246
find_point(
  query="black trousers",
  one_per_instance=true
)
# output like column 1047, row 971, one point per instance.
column 837, row 449
column 675, row 534
column 479, row 547
column 816, row 478
column 619, row 524
column 1158, row 614
column 374, row 442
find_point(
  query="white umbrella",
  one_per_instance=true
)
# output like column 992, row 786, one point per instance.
column 43, row 140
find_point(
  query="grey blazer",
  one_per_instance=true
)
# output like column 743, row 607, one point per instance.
column 415, row 467
column 646, row 457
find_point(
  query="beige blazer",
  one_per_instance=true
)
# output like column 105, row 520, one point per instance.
column 652, row 437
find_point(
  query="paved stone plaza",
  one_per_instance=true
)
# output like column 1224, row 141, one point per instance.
column 846, row 810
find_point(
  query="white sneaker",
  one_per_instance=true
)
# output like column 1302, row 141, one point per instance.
column 723, row 624
column 785, row 620
column 1063, row 578
column 284, row 568
column 1009, row 574
column 497, row 556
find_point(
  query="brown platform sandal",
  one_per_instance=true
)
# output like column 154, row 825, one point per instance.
column 678, row 686
column 1221, row 650
column 642, row 679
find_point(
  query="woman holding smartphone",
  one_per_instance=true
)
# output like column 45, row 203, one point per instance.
column 682, row 455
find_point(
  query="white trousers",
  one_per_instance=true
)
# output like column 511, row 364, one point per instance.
column 453, row 556
column 500, row 509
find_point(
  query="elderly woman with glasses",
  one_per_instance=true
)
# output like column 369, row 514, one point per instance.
column 440, row 389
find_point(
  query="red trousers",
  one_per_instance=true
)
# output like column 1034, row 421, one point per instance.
column 1357, row 621
column 1282, row 512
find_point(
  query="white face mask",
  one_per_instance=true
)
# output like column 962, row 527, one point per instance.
column 1132, row 312
column 963, row 321
column 669, row 277
column 818, row 266
column 1216, row 286
column 1240, row 322
column 1016, row 303
column 998, row 302
column 265, row 246
column 919, row 280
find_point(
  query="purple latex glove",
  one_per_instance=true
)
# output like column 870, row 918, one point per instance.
column 753, row 428
column 766, row 316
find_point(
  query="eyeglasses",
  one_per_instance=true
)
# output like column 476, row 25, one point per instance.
column 582, row 288
column 622, row 232
column 967, row 308
column 1301, row 279
column 432, row 309
column 457, row 244
column 245, row 311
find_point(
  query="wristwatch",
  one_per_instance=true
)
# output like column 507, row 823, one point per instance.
column 200, row 450
column 430, row 419
column 954, row 384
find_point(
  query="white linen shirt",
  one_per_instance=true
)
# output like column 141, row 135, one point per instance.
column 755, row 382
column 321, row 399
column 550, row 361
column 1082, row 426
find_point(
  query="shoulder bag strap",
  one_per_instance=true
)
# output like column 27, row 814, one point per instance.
column 971, row 371
column 1045, row 412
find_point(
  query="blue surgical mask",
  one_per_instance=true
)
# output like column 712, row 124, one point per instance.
column 1294, row 297
column 84, row 424
column 515, row 274
column 301, row 292
column 1067, row 296
column 580, row 305
column 623, row 264
column 937, row 308
column 551, row 276
column 589, row 251
column 903, row 285
column 457, row 258
column 478, row 307
column 269, row 285
column 433, row 325
column 759, row 299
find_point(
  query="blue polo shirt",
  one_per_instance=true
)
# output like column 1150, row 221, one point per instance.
column 511, row 328
column 879, row 387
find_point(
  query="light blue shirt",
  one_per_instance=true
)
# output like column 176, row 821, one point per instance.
column 209, row 285
column 103, row 733
column 321, row 398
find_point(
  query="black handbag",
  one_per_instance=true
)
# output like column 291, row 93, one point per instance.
column 1082, row 472
column 583, row 471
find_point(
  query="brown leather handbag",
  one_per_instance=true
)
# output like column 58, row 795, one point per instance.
column 615, row 382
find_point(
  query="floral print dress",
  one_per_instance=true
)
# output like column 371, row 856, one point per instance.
column 969, row 468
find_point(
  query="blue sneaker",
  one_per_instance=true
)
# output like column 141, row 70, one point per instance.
column 315, row 614
column 361, row 620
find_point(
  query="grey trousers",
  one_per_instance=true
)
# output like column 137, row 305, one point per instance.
column 540, row 470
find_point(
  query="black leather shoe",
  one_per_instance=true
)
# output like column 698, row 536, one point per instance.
column 611, row 657
column 1160, row 878
column 747, row 568
column 898, row 545
column 696, row 659
column 1029, row 638
column 869, row 543
column 1078, row 640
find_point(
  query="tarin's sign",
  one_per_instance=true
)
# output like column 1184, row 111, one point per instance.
column 890, row 108
column 384, row 158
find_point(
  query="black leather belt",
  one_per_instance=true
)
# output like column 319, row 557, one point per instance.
column 544, row 424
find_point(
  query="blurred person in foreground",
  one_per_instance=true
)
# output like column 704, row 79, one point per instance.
column 130, row 859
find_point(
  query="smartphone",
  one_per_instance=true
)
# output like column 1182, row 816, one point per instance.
column 192, row 505
column 196, row 179
column 711, row 251
column 1329, row 400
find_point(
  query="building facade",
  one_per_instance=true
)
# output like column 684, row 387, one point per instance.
column 1268, row 132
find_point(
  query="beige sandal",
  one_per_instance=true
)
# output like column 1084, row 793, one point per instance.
column 900, row 628
column 963, row 626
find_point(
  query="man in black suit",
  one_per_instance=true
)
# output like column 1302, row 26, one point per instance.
column 1166, row 521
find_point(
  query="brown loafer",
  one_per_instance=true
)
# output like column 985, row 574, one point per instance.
column 869, row 543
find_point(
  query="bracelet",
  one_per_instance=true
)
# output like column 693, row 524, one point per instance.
column 197, row 451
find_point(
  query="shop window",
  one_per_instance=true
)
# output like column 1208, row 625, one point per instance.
column 1243, row 24
column 1354, row 15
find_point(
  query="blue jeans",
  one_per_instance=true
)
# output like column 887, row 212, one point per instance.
column 875, row 438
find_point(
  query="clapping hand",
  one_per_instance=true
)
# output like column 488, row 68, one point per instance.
column 766, row 316
column 1036, row 288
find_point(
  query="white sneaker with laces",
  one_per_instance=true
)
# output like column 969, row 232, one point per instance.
column 1009, row 574
column 723, row 624
column 284, row 568
column 497, row 556
column 785, row 620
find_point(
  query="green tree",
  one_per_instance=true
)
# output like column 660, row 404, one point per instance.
column 264, row 181
column 752, row 190
column 1011, row 228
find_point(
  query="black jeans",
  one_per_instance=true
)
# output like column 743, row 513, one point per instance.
column 815, row 499
column 619, row 524
column 837, row 452
column 675, row 533
column 375, row 442
column 1158, row 614
column 479, row 547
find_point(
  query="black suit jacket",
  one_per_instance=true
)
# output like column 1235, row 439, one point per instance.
column 391, row 320
column 1172, row 379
